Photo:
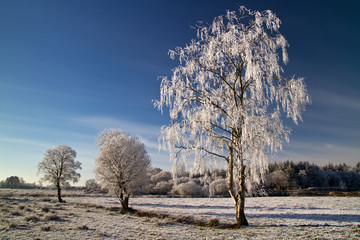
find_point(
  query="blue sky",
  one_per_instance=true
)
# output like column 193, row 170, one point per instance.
column 69, row 69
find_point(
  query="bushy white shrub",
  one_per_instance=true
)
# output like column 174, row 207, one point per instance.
column 162, row 188
column 183, row 180
column 162, row 176
column 218, row 188
column 189, row 189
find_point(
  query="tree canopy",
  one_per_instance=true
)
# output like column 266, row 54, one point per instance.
column 59, row 167
column 121, row 164
column 227, row 96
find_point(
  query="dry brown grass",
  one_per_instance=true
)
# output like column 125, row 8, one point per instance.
column 16, row 213
column 13, row 225
column 52, row 218
column 83, row 227
column 32, row 218
column 183, row 219
column 45, row 228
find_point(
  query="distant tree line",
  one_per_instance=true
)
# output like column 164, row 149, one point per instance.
column 16, row 182
column 288, row 175
column 282, row 177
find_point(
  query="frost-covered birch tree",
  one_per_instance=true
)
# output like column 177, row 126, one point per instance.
column 59, row 167
column 227, row 97
column 121, row 164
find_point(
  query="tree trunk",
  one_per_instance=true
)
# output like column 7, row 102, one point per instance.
column 237, row 196
column 239, row 209
column 240, row 201
column 124, row 204
column 59, row 193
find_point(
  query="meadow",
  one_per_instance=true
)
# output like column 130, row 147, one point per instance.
column 35, row 214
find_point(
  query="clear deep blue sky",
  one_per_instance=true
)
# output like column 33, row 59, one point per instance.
column 69, row 69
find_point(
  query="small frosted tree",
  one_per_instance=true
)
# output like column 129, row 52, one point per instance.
column 121, row 164
column 226, row 98
column 59, row 167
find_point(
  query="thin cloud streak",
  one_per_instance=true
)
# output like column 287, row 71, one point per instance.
column 25, row 142
column 341, row 101
column 100, row 123
column 146, row 132
column 320, row 153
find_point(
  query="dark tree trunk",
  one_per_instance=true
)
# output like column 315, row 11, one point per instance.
column 59, row 193
column 240, row 203
column 240, row 213
column 239, row 196
column 124, row 204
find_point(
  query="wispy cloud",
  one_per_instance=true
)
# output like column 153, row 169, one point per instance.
column 146, row 132
column 25, row 142
column 349, row 100
column 319, row 152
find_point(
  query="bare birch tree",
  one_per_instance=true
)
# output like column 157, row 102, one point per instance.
column 59, row 167
column 227, row 96
column 121, row 164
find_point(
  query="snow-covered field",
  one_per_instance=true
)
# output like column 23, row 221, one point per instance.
column 27, row 216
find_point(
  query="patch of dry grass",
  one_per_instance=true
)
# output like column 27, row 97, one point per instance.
column 16, row 213
column 45, row 209
column 183, row 219
column 21, row 207
column 214, row 222
column 114, row 209
column 83, row 227
column 12, row 225
column 32, row 218
column 52, row 217
column 45, row 228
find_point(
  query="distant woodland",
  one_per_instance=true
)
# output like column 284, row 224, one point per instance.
column 283, row 178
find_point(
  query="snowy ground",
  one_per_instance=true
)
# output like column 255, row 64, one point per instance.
column 31, row 216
